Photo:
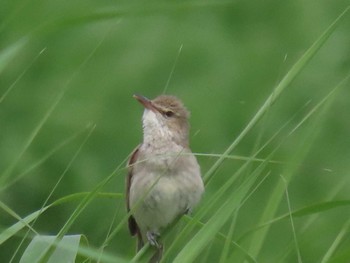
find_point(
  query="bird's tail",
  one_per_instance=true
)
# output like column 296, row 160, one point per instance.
column 140, row 243
column 157, row 256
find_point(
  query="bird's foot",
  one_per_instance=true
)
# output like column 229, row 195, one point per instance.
column 188, row 211
column 152, row 239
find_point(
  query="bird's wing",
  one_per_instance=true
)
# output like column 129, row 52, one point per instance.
column 133, row 227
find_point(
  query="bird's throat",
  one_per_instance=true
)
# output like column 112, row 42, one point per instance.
column 155, row 131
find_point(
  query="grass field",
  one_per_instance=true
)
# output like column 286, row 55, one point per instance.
column 267, row 86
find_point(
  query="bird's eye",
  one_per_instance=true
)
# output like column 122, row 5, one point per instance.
column 169, row 113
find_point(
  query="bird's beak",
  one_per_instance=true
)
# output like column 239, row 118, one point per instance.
column 147, row 103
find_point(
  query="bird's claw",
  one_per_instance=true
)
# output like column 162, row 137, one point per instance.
column 188, row 211
column 152, row 239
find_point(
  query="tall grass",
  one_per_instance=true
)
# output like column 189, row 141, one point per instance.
column 252, row 210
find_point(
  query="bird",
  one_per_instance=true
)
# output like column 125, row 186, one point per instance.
column 164, row 180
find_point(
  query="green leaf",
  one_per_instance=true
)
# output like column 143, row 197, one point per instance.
column 40, row 244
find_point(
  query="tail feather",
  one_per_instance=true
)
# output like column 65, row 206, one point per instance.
column 157, row 256
column 140, row 243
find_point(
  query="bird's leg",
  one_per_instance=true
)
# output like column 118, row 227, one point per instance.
column 152, row 239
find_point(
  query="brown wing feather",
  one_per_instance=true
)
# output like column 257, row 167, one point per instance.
column 133, row 227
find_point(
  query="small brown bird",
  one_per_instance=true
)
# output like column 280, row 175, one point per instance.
column 164, row 179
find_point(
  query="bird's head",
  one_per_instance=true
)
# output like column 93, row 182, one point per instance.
column 165, row 117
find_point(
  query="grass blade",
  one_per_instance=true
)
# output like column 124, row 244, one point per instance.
column 4, row 177
column 9, row 53
column 44, row 158
column 204, row 236
column 277, row 193
column 20, row 76
column 288, row 78
column 15, row 215
column 338, row 239
column 305, row 211
column 15, row 228
column 39, row 244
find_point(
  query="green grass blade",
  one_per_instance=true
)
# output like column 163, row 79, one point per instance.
column 8, row 54
column 228, row 240
column 4, row 177
column 277, row 194
column 314, row 216
column 14, row 179
column 15, row 228
column 40, row 243
column 172, row 70
column 80, row 208
column 313, row 213
column 15, row 215
column 20, row 76
column 227, row 185
column 343, row 232
column 61, row 178
column 305, row 211
column 288, row 78
column 204, row 236
column 237, row 157
column 295, row 239
column 96, row 256
column 214, row 201
column 66, row 250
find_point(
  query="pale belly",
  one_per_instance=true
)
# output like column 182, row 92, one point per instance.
column 165, row 198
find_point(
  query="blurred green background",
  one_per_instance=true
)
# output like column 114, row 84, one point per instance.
column 99, row 53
